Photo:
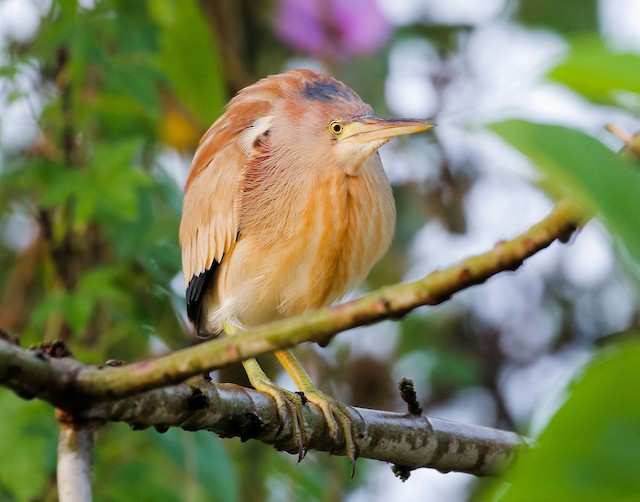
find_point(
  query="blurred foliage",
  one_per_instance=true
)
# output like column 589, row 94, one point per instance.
column 576, row 161
column 88, row 242
column 29, row 439
column 589, row 450
column 566, row 17
column 189, row 58
column 600, row 73
column 102, row 237
column 175, row 465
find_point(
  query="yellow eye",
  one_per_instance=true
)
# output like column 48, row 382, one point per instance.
column 336, row 127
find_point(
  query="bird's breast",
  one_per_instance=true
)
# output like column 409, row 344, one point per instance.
column 319, row 239
column 303, row 244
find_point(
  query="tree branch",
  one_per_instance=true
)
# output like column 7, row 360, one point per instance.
column 34, row 373
column 410, row 441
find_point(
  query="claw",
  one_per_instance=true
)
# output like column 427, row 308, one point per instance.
column 338, row 417
column 353, row 453
column 346, row 420
column 283, row 418
column 289, row 405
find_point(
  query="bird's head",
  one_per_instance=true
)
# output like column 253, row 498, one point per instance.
column 321, row 121
column 301, row 119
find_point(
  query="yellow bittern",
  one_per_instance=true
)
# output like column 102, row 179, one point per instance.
column 286, row 209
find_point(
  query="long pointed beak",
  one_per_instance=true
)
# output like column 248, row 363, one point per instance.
column 367, row 129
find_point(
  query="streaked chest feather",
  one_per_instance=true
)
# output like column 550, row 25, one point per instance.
column 321, row 243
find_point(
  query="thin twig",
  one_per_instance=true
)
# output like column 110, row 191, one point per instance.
column 619, row 133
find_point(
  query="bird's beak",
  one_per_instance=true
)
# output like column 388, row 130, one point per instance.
column 366, row 129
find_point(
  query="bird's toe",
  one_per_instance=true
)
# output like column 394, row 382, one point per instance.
column 289, row 406
column 338, row 418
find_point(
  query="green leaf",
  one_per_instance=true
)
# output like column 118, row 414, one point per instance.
column 28, row 446
column 598, row 72
column 105, row 190
column 102, row 284
column 75, row 308
column 591, row 448
column 151, row 238
column 116, row 180
column 189, row 57
column 204, row 460
column 565, row 16
column 176, row 465
column 587, row 169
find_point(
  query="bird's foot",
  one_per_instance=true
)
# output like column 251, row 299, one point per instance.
column 289, row 406
column 338, row 418
column 336, row 414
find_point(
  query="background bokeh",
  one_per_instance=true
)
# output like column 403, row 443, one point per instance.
column 102, row 104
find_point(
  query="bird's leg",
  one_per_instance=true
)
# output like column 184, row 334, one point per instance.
column 289, row 404
column 336, row 414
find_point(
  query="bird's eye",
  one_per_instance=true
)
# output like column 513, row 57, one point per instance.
column 336, row 127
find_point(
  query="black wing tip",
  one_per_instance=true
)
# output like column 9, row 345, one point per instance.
column 193, row 312
column 196, row 290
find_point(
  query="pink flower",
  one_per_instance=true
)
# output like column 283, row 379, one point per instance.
column 332, row 28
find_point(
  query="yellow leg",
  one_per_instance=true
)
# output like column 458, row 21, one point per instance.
column 334, row 411
column 289, row 404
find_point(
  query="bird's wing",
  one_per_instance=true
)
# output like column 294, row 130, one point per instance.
column 210, row 213
column 211, row 209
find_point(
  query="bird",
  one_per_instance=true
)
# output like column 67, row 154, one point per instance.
column 286, row 209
